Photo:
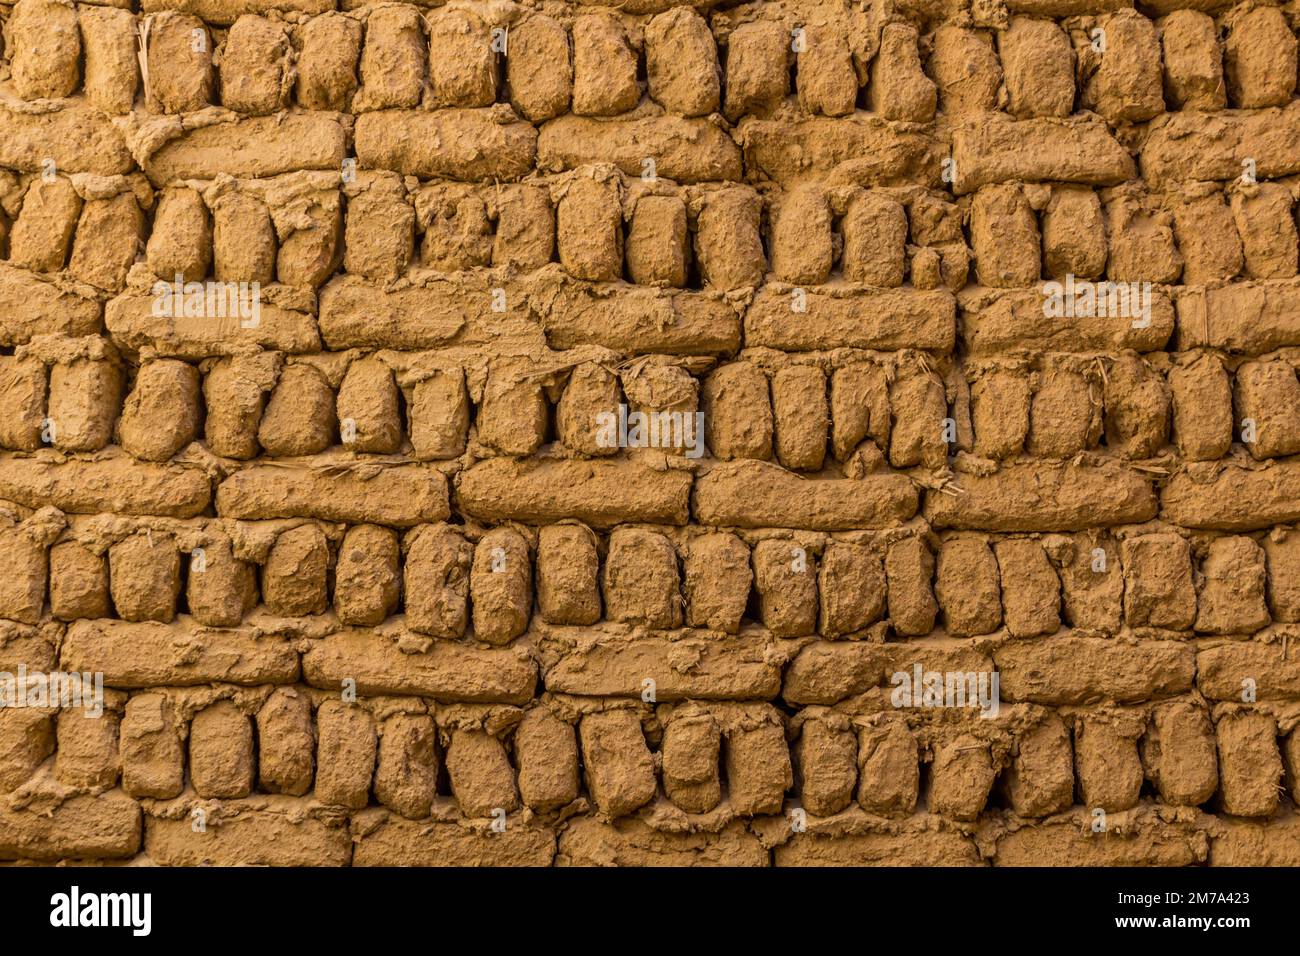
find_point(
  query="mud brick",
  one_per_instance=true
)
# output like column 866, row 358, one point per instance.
column 1282, row 553
column 1136, row 403
column 1000, row 402
column 875, row 238
column 78, row 582
column 966, row 586
column 801, row 247
column 1232, row 592
column 852, row 587
column 909, row 568
column 617, row 764
column 221, row 752
column 1126, row 87
column 539, row 68
column 108, row 43
column 42, row 235
column 682, row 63
column 592, row 391
column 392, row 60
column 1063, row 419
column 482, row 779
column 590, row 230
column 755, row 494
column 718, row 581
column 1250, row 766
column 827, row 81
column 657, row 242
column 1267, row 396
column 786, row 578
column 379, row 235
column 966, row 70
column 1092, row 582
column 1074, row 234
column 859, row 408
column 24, row 562
column 161, row 414
column 255, row 66
column 179, row 74
column 294, row 576
column 1201, row 394
column 309, row 255
column 88, row 754
column 802, row 416
column 45, row 49
column 436, row 582
column 889, row 773
column 758, row 73
column 727, row 241
column 691, row 751
column 181, row 240
column 1193, row 61
column 108, row 234
column 406, row 776
column 243, row 240
column 1004, row 235
column 462, row 63
column 738, row 416
column 567, row 568
column 368, row 399
column 1031, row 591
column 220, row 588
column 233, row 394
column 525, row 236
column 286, row 743
column 1038, row 64
column 513, row 417
column 546, row 750
column 1040, row 780
column 919, row 409
column 641, row 581
column 1065, row 669
column 1207, row 239
column 153, row 761
column 1179, row 751
column 457, row 234
column 26, row 740
column 468, row 145
column 1141, row 243
column 345, row 754
column 145, row 575
column 439, row 414
column 1158, row 578
column 1261, row 59
column 899, row 88
column 1267, row 230
column 827, row 755
column 22, row 403
column 367, row 578
column 604, row 67
column 501, row 586
column 328, row 49
column 300, row 416
column 961, row 777
column 83, row 404
column 1107, row 766
column 758, row 769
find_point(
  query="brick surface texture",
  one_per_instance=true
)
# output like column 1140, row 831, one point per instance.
column 314, row 318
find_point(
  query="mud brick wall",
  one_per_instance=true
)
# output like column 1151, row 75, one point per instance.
column 366, row 586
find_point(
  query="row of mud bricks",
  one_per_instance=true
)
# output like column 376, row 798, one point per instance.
column 801, row 432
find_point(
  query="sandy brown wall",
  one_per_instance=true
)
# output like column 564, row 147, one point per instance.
column 365, row 581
